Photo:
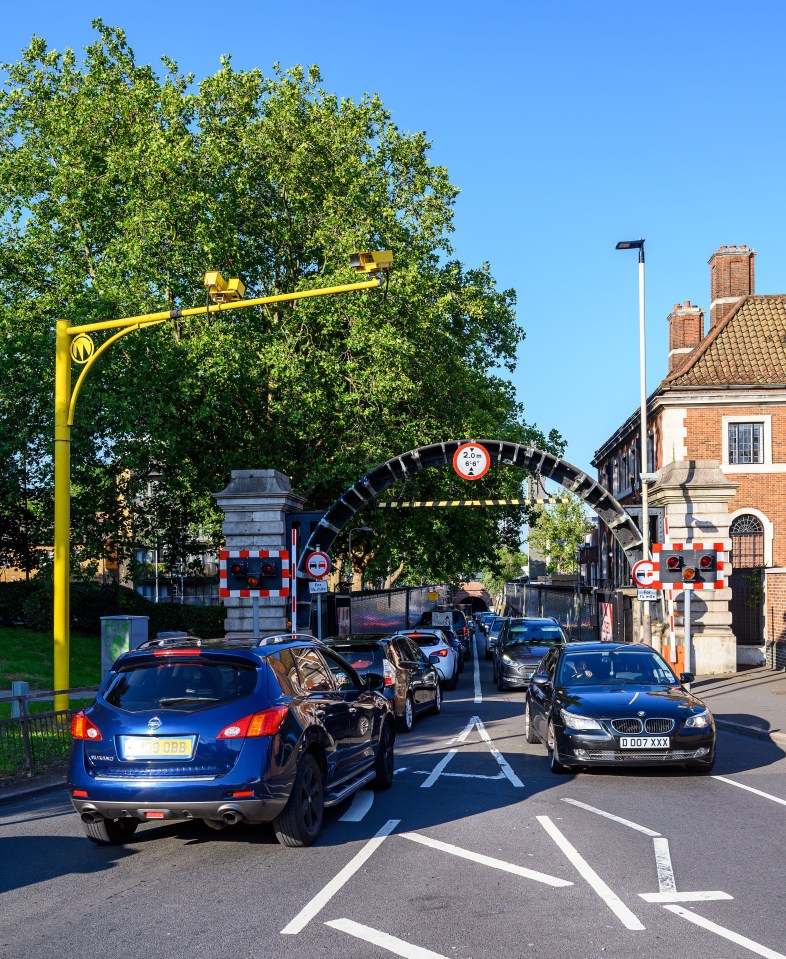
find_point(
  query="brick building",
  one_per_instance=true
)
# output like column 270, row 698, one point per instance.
column 724, row 400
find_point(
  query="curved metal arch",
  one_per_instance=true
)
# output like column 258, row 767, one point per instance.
column 622, row 526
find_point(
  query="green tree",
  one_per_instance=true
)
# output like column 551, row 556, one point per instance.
column 507, row 565
column 556, row 532
column 119, row 187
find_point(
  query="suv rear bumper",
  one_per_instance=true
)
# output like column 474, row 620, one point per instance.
column 228, row 810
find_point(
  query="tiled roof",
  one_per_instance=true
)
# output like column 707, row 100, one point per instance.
column 746, row 348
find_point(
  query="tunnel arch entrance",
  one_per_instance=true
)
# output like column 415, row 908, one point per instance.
column 502, row 453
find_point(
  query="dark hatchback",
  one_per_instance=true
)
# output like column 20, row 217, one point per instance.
column 411, row 682
column 269, row 730
column 596, row 704
column 521, row 645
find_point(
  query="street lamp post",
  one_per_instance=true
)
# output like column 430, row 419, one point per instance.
column 356, row 529
column 643, row 472
column 74, row 344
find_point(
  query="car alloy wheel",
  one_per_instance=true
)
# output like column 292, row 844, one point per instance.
column 300, row 821
column 554, row 764
column 438, row 699
column 407, row 721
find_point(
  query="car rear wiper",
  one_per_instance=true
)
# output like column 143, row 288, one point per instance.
column 182, row 700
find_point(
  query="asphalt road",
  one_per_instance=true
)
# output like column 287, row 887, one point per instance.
column 477, row 851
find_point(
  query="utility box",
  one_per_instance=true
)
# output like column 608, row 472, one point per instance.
column 119, row 634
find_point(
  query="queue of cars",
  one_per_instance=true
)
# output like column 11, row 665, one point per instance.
column 279, row 729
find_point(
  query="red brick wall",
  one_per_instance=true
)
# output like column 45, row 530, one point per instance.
column 775, row 594
column 763, row 491
column 731, row 274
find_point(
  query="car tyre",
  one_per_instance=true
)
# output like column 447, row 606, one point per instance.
column 554, row 764
column 407, row 721
column 300, row 821
column 110, row 832
column 437, row 707
column 384, row 764
column 529, row 729
column 500, row 681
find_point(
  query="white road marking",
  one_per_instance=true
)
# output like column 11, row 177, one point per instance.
column 726, row 933
column 501, row 761
column 612, row 900
column 667, row 883
column 485, row 860
column 323, row 897
column 362, row 801
column 384, row 940
column 608, row 815
column 401, row 769
column 750, row 789
column 425, row 772
column 476, row 660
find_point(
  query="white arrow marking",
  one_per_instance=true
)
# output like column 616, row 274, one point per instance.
column 612, row 900
column 667, row 883
column 726, row 933
column 485, row 860
column 384, row 940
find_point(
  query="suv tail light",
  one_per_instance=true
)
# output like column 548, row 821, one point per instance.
column 83, row 728
column 265, row 723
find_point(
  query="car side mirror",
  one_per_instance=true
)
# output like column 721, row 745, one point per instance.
column 541, row 679
column 687, row 677
column 433, row 659
column 374, row 682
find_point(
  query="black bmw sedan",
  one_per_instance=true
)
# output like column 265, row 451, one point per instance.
column 596, row 704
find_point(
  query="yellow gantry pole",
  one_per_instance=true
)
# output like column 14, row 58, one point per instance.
column 64, row 418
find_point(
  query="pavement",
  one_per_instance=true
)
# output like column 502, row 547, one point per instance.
column 750, row 703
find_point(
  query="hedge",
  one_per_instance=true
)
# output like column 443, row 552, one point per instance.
column 30, row 604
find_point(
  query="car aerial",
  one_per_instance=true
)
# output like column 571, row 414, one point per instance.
column 521, row 645
column 411, row 682
column 492, row 632
column 596, row 704
column 435, row 645
column 226, row 731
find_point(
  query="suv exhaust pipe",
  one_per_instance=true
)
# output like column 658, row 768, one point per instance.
column 91, row 817
column 231, row 815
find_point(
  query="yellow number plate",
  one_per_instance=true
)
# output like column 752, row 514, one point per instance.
column 157, row 747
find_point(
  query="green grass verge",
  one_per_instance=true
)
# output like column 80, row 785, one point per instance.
column 29, row 656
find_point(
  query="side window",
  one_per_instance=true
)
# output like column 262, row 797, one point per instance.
column 549, row 663
column 341, row 675
column 314, row 674
column 283, row 665
column 410, row 651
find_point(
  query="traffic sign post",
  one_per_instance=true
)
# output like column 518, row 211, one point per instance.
column 643, row 574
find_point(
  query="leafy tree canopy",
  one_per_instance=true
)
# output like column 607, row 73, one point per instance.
column 556, row 532
column 121, row 186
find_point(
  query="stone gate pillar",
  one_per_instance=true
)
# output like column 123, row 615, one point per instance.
column 695, row 495
column 255, row 505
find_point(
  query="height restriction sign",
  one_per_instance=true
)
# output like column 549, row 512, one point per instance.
column 471, row 461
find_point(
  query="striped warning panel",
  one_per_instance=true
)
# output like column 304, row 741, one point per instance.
column 410, row 504
column 226, row 555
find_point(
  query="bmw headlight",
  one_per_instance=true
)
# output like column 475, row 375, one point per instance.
column 572, row 721
column 507, row 660
column 699, row 720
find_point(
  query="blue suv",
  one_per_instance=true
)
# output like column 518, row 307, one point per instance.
column 228, row 731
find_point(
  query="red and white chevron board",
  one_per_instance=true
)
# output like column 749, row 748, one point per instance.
column 226, row 554
column 720, row 565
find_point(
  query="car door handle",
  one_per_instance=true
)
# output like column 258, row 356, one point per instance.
column 353, row 709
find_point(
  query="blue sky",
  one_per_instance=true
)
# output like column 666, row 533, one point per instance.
column 568, row 125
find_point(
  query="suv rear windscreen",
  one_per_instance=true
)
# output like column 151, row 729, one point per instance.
column 179, row 685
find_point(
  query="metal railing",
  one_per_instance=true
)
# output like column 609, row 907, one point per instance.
column 30, row 741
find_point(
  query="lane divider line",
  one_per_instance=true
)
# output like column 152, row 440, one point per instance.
column 668, row 884
column 384, row 940
column 598, row 885
column 485, row 860
column 323, row 897
column 726, row 933
column 362, row 801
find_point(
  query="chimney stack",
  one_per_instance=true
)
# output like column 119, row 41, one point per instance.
column 686, row 331
column 731, row 276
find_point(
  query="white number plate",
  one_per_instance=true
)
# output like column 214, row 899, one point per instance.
column 645, row 742
column 157, row 747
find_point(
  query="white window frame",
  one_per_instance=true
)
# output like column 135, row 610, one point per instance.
column 766, row 465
